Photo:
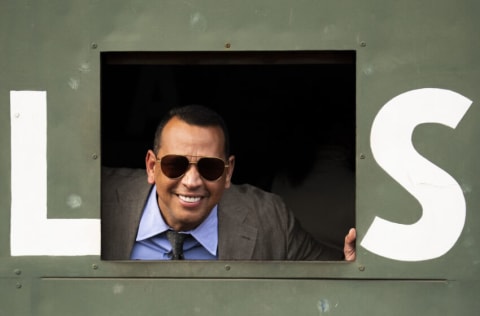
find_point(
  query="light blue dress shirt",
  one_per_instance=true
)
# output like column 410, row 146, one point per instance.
column 152, row 242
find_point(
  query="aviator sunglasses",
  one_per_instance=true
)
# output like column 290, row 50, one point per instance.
column 175, row 166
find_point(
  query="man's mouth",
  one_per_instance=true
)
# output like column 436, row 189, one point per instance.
column 189, row 199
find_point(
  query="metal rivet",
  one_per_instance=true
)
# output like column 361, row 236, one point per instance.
column 18, row 285
column 94, row 156
column 94, row 45
column 363, row 43
column 228, row 45
column 94, row 266
column 17, row 271
column 361, row 268
column 227, row 267
column 362, row 156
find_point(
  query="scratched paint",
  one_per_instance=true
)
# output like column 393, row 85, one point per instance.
column 323, row 306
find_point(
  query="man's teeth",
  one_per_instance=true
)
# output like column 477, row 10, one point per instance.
column 189, row 199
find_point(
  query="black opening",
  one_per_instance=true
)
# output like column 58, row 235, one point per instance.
column 291, row 116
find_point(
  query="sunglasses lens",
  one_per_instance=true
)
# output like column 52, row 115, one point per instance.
column 211, row 168
column 174, row 166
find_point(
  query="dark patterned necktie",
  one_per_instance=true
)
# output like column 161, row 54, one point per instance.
column 176, row 239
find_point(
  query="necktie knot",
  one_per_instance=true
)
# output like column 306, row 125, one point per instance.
column 176, row 240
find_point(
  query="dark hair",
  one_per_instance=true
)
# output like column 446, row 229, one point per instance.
column 193, row 114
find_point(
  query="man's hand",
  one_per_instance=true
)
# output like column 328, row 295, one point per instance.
column 349, row 247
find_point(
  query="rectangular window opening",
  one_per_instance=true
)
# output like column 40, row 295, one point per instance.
column 291, row 117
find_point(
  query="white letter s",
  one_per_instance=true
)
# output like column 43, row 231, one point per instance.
column 440, row 195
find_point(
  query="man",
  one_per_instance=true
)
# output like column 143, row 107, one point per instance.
column 187, row 189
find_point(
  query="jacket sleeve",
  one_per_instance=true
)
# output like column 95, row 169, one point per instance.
column 301, row 245
column 279, row 235
column 124, row 192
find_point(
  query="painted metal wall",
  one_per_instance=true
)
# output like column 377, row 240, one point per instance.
column 417, row 157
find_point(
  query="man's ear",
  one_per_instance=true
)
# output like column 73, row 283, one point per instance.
column 229, row 171
column 150, row 164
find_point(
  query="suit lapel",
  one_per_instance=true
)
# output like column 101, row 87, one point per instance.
column 132, row 201
column 236, row 239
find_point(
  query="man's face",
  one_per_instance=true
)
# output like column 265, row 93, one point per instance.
column 186, row 201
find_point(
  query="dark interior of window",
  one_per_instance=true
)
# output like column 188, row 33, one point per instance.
column 291, row 117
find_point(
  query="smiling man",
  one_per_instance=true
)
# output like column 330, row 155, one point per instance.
column 186, row 207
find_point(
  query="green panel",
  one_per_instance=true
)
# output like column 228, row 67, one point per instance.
column 55, row 46
column 14, row 299
column 249, row 297
column 45, row 47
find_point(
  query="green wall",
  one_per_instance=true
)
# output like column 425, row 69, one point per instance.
column 55, row 46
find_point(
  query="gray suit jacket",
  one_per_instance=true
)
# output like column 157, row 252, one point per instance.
column 252, row 224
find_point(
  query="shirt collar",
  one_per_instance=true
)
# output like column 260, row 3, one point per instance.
column 207, row 232
column 152, row 224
